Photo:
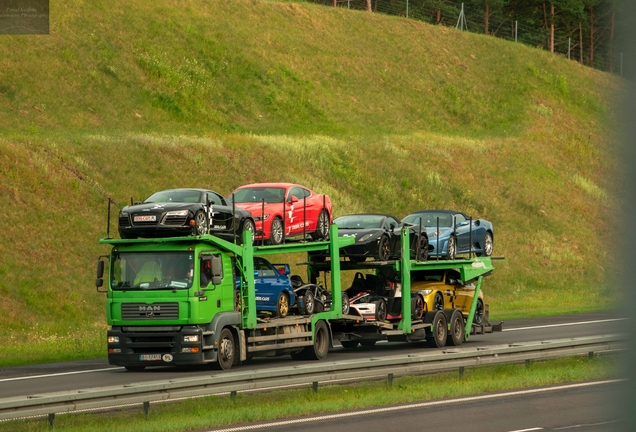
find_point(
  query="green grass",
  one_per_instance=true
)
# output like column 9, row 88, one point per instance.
column 382, row 113
column 248, row 408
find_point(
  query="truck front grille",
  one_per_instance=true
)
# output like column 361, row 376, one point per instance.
column 154, row 311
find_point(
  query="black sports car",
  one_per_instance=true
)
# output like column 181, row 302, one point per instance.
column 183, row 212
column 377, row 236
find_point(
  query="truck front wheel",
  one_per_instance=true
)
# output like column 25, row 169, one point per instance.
column 225, row 357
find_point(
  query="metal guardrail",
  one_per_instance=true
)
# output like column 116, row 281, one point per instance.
column 312, row 373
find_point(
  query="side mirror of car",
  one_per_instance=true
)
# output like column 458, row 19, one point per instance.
column 293, row 199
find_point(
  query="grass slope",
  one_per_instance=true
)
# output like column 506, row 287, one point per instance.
column 382, row 113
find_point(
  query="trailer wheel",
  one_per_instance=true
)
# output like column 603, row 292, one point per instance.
column 225, row 356
column 456, row 335
column 367, row 343
column 320, row 348
column 135, row 368
column 479, row 312
column 437, row 336
column 349, row 344
column 309, row 303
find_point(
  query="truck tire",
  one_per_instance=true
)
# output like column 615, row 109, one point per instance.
column 320, row 348
column 456, row 333
column 437, row 336
column 227, row 350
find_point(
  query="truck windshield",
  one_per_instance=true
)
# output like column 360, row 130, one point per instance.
column 151, row 270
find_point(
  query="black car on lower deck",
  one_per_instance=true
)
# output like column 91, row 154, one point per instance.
column 378, row 237
column 186, row 211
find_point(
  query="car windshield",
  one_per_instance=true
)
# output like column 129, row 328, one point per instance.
column 258, row 194
column 359, row 222
column 181, row 196
column 429, row 219
column 151, row 270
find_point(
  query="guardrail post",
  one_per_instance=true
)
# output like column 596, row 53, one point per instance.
column 51, row 420
column 146, row 408
column 590, row 355
column 528, row 363
column 389, row 380
column 314, row 386
column 461, row 372
column 233, row 395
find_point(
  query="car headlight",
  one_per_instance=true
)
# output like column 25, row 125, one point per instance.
column 191, row 338
column 177, row 213
column 425, row 292
column 257, row 218
column 435, row 234
column 365, row 237
column 113, row 339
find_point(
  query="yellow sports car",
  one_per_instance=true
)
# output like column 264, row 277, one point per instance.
column 444, row 289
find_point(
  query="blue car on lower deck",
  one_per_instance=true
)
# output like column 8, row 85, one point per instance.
column 274, row 291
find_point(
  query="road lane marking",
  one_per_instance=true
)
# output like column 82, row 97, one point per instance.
column 564, row 324
column 412, row 406
column 527, row 430
column 59, row 374
column 587, row 425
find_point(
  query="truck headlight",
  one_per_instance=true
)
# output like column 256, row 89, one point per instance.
column 113, row 339
column 191, row 338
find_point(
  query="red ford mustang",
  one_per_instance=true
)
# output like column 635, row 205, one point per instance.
column 284, row 209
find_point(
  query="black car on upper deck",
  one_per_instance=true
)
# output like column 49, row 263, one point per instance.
column 186, row 211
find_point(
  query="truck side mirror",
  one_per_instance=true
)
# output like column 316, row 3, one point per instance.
column 217, row 270
column 100, row 274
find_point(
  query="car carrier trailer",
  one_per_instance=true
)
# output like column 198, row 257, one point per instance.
column 188, row 322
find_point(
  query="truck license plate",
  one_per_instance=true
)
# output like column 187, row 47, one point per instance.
column 147, row 218
column 149, row 357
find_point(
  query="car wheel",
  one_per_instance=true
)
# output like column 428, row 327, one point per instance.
column 488, row 245
column 320, row 348
column 478, row 318
column 380, row 310
column 276, row 231
column 349, row 344
column 200, row 223
column 322, row 226
column 384, row 252
column 345, row 304
column 422, row 251
column 417, row 308
column 438, row 302
column 451, row 250
column 248, row 225
column 225, row 356
column 367, row 343
column 438, row 333
column 456, row 334
column 282, row 305
column 309, row 304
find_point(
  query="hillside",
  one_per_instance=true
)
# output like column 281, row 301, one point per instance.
column 382, row 113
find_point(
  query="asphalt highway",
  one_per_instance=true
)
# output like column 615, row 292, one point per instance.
column 583, row 407
column 46, row 378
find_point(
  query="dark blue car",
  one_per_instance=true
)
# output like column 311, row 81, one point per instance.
column 274, row 292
